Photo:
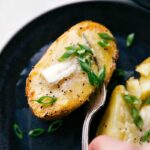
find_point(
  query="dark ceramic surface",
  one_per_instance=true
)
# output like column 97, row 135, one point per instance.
column 28, row 45
column 144, row 3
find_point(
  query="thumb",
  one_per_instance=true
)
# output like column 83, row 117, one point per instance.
column 107, row 143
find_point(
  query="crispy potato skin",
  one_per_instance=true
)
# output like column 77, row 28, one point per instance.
column 74, row 91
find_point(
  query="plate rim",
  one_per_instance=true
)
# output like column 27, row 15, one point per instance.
column 127, row 3
column 55, row 9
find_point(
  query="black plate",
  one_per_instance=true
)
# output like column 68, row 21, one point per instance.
column 24, row 50
column 144, row 3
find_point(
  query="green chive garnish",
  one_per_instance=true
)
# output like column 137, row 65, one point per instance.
column 93, row 79
column 55, row 125
column 130, row 39
column 47, row 100
column 81, row 51
column 70, row 51
column 69, row 48
column 91, row 75
column 18, row 131
column 103, row 43
column 130, row 99
column 133, row 101
column 86, row 48
column 101, row 75
column 146, row 136
column 36, row 132
column 85, row 57
column 85, row 67
column 105, row 36
column 137, row 118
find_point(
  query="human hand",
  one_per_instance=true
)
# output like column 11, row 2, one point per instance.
column 107, row 143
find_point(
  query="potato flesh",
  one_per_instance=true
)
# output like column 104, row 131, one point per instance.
column 145, row 87
column 144, row 67
column 113, row 117
column 117, row 121
column 145, row 114
column 144, row 70
column 133, row 87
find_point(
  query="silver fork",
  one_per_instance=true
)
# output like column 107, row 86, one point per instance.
column 96, row 104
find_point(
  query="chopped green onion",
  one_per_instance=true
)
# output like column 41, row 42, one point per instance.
column 130, row 39
column 71, row 48
column 85, row 67
column 137, row 118
column 55, row 125
column 85, row 58
column 147, row 101
column 103, row 43
column 67, row 54
column 105, row 36
column 101, row 75
column 18, row 131
column 133, row 102
column 47, row 100
column 85, row 48
column 81, row 51
column 93, row 79
column 130, row 99
column 36, row 132
column 146, row 136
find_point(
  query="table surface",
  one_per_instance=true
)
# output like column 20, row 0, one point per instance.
column 14, row 14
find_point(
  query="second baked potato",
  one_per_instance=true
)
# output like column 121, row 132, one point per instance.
column 128, row 119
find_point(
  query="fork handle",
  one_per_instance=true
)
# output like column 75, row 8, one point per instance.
column 85, row 131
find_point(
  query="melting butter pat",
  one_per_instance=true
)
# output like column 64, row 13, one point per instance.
column 59, row 71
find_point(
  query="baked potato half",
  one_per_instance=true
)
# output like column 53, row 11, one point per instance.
column 70, row 87
column 128, row 118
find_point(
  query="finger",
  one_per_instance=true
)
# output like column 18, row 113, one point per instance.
column 107, row 143
column 145, row 147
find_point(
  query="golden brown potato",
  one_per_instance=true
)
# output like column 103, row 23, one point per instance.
column 74, row 90
column 145, row 87
column 144, row 67
column 133, row 87
column 117, row 121
column 145, row 114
